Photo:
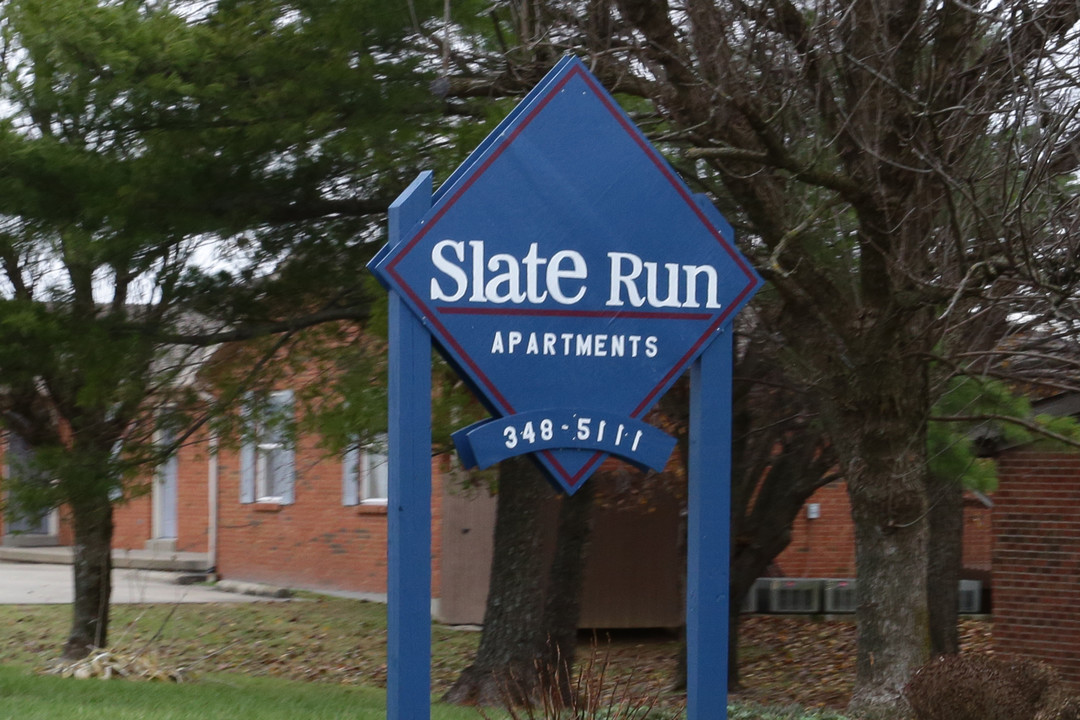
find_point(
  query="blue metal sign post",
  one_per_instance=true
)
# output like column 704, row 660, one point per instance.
column 408, row 582
column 570, row 277
column 708, row 532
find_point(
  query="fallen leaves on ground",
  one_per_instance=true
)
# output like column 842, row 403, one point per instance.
column 785, row 660
column 810, row 661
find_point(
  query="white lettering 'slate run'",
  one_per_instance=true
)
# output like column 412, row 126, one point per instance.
column 464, row 272
column 505, row 279
column 681, row 283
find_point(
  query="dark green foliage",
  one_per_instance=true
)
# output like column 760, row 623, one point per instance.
column 176, row 176
column 229, row 159
column 974, row 411
column 953, row 447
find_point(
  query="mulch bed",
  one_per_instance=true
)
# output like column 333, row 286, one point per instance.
column 785, row 660
column 810, row 662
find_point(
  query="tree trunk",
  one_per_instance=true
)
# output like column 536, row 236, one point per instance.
column 945, row 560
column 777, row 474
column 884, row 459
column 562, row 606
column 892, row 623
column 505, row 665
column 92, row 566
column 779, row 458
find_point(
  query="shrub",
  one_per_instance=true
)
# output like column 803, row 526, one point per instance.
column 1061, row 709
column 591, row 695
column 975, row 687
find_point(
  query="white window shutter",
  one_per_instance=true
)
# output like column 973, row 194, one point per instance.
column 288, row 475
column 247, row 455
column 350, row 485
column 247, row 473
column 283, row 399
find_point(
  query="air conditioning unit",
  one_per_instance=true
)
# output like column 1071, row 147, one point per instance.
column 794, row 595
column 970, row 597
column 840, row 595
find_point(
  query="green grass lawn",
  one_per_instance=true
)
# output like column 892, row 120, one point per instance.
column 25, row 695
column 326, row 640
column 264, row 660
column 325, row 657
column 28, row 696
column 316, row 637
column 315, row 657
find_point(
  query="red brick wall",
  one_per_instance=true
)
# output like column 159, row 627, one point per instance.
column 67, row 532
column 1036, row 559
column 133, row 520
column 193, row 497
column 132, row 523
column 316, row 542
column 825, row 547
column 978, row 536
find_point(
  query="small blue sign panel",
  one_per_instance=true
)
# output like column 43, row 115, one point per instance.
column 571, row 277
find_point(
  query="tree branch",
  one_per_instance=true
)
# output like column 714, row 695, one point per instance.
column 322, row 207
column 1026, row 424
column 255, row 330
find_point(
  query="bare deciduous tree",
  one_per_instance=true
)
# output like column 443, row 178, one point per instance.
column 900, row 170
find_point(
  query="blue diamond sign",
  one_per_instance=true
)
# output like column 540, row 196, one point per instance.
column 570, row 276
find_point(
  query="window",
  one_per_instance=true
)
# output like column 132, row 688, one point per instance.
column 19, row 466
column 364, row 474
column 267, row 468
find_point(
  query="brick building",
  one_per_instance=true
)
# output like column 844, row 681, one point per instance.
column 297, row 516
column 175, row 516
column 260, row 512
column 268, row 505
column 1036, row 558
column 823, row 537
column 327, row 531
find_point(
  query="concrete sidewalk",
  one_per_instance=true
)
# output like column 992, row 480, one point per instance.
column 40, row 584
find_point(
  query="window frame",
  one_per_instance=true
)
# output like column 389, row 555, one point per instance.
column 364, row 467
column 268, row 456
column 18, row 459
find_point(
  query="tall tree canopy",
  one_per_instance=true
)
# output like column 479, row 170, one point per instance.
column 901, row 173
column 176, row 175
